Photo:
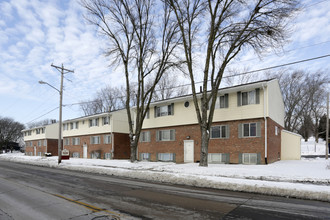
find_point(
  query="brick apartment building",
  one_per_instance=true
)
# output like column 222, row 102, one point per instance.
column 41, row 140
column 247, row 125
column 103, row 136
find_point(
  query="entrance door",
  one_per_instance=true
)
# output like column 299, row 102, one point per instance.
column 85, row 151
column 35, row 150
column 188, row 151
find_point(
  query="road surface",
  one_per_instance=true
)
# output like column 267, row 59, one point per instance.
column 32, row 192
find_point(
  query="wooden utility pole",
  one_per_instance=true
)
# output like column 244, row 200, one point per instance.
column 63, row 71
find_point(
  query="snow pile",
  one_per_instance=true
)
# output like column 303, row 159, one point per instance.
column 312, row 148
column 307, row 178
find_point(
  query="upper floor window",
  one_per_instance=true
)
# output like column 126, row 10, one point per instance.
column 145, row 136
column 221, row 101
column 248, row 98
column 38, row 131
column 74, row 125
column 65, row 127
column 106, row 120
column 249, row 130
column 42, row 130
column 164, row 110
column 165, row 135
column 220, row 131
column 93, row 122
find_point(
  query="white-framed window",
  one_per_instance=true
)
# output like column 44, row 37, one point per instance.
column 148, row 114
column 249, row 158
column 106, row 120
column 65, row 126
column 249, row 130
column 218, row 158
column 74, row 125
column 40, row 154
column 45, row 143
column 38, row 131
column 66, row 141
column 75, row 141
column 107, row 139
column 31, row 143
column 42, row 130
column 166, row 157
column 164, row 110
column 144, row 156
column 165, row 135
column 222, row 101
column 93, row 122
column 39, row 143
column 107, row 156
column 249, row 97
column 95, row 155
column 276, row 130
column 75, row 155
column 220, row 131
column 95, row 140
column 145, row 136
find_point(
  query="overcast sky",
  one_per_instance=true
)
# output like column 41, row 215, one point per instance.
column 36, row 33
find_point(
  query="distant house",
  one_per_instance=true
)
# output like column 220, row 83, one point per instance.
column 41, row 140
column 103, row 136
column 246, row 128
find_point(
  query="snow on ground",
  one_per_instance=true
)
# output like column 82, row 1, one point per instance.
column 312, row 148
column 306, row 179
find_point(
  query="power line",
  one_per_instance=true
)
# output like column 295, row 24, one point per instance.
column 42, row 115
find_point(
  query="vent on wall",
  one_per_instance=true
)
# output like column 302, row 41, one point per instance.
column 186, row 104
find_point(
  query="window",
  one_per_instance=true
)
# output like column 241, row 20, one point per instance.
column 221, row 102
column 145, row 136
column 165, row 135
column 95, row 155
column 39, row 143
column 220, row 131
column 42, row 130
column 166, row 157
column 276, row 130
column 106, row 120
column 76, row 141
column 45, row 143
column 95, row 140
column 107, row 156
column 75, row 155
column 248, row 98
column 218, row 158
column 148, row 114
column 248, row 158
column 65, row 127
column 66, row 141
column 93, row 122
column 38, row 131
column 40, row 154
column 30, row 143
column 144, row 156
column 249, row 130
column 74, row 125
column 164, row 110
column 107, row 139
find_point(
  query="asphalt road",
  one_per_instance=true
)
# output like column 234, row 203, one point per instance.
column 31, row 192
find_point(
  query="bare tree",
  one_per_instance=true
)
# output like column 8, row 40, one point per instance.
column 220, row 30
column 142, row 40
column 10, row 131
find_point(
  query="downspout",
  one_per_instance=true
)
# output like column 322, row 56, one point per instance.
column 112, row 138
column 265, row 118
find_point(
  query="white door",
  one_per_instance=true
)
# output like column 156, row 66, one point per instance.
column 85, row 151
column 35, row 150
column 188, row 151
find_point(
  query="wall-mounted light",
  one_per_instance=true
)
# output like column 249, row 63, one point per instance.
column 188, row 137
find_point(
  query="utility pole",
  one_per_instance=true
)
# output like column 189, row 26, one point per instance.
column 327, row 131
column 63, row 71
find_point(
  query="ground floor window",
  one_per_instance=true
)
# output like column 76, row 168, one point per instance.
column 40, row 154
column 107, row 156
column 145, row 156
column 218, row 158
column 249, row 158
column 75, row 155
column 95, row 155
column 166, row 157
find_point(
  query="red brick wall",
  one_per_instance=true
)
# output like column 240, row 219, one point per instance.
column 233, row 145
column 273, row 141
column 122, row 148
column 51, row 147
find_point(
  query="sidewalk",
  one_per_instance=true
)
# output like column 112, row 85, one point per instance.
column 304, row 179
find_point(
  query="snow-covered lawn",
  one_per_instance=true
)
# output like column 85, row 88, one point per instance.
column 307, row 178
column 312, row 148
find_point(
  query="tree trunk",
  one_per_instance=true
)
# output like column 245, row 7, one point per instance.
column 133, row 150
column 204, row 147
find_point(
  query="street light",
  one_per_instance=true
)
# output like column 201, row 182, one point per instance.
column 60, row 118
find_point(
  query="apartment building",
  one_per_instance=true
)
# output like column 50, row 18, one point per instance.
column 103, row 136
column 246, row 128
column 41, row 140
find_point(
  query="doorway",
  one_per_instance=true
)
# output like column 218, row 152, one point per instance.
column 188, row 151
column 85, row 150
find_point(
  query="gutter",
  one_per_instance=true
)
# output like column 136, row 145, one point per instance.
column 265, row 118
